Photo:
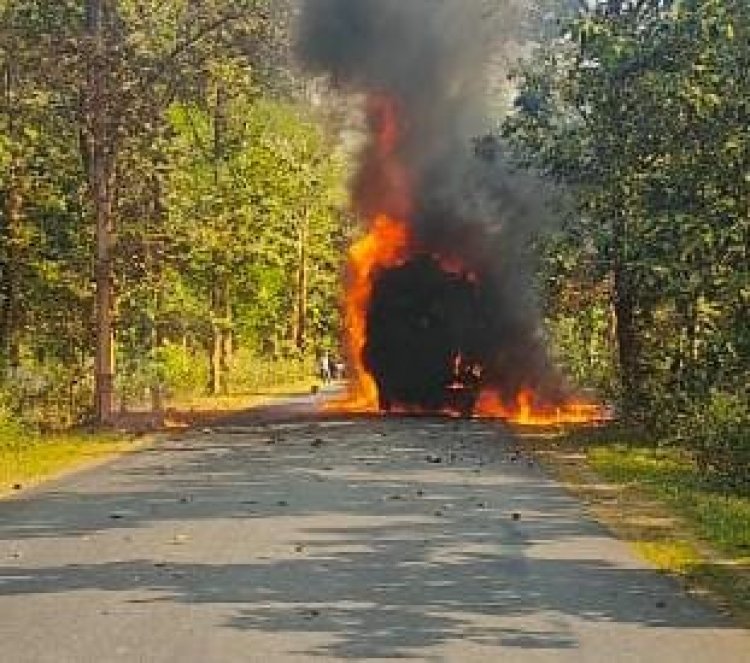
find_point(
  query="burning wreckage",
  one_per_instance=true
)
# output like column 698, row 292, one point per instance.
column 426, row 337
column 439, row 311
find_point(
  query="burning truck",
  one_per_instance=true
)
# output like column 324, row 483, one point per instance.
column 440, row 314
column 426, row 331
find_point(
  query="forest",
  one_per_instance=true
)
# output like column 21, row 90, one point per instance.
column 173, row 212
column 174, row 218
column 641, row 110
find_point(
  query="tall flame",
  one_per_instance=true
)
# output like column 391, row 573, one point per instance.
column 385, row 246
column 383, row 197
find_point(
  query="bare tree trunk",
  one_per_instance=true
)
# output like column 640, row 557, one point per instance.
column 10, row 324
column 99, row 163
column 627, row 338
column 11, row 312
column 227, row 340
column 300, row 324
column 156, row 215
column 216, row 362
column 221, row 337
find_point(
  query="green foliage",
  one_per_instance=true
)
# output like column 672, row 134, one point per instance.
column 11, row 429
column 641, row 110
column 250, row 373
column 222, row 189
column 719, row 431
column 180, row 371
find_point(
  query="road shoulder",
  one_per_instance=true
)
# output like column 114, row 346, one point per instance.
column 653, row 528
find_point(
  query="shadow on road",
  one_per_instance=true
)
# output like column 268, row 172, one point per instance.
column 386, row 536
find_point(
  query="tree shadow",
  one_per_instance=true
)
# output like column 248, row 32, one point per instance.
column 402, row 535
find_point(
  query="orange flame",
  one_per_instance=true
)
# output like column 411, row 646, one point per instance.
column 383, row 196
column 526, row 411
column 385, row 246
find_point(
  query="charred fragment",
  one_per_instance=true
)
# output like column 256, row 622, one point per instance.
column 427, row 335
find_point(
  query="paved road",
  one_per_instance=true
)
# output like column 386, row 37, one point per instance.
column 282, row 537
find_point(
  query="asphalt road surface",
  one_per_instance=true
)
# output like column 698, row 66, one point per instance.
column 281, row 536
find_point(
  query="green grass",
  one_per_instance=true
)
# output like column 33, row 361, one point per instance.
column 238, row 402
column 655, row 499
column 721, row 519
column 27, row 459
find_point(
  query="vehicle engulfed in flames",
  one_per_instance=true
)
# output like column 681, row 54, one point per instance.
column 425, row 333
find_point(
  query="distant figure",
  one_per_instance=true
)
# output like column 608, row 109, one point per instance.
column 339, row 369
column 325, row 368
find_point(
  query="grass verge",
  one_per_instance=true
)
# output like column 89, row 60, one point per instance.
column 234, row 403
column 27, row 460
column 655, row 499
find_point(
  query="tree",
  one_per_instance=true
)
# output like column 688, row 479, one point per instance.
column 640, row 108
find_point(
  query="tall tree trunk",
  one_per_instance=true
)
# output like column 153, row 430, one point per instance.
column 218, row 295
column 100, row 168
column 156, row 215
column 216, row 361
column 11, row 310
column 627, row 338
column 300, row 323
column 10, row 324
column 218, row 345
column 227, row 340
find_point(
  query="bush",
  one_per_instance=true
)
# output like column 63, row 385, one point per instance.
column 249, row 373
column 718, row 431
column 46, row 398
column 181, row 371
column 12, row 430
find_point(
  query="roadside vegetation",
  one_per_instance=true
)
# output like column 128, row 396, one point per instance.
column 26, row 458
column 639, row 112
column 659, row 500
column 172, row 208
column 172, row 219
column 721, row 517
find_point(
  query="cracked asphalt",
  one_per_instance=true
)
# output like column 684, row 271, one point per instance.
column 281, row 535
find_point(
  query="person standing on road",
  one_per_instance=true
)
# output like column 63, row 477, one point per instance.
column 325, row 368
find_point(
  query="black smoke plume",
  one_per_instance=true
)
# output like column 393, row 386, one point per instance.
column 434, row 59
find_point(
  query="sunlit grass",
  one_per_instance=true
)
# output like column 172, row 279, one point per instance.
column 675, row 556
column 26, row 459
column 655, row 499
column 242, row 401
column 722, row 519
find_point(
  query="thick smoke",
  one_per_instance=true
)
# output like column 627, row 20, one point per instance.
column 435, row 59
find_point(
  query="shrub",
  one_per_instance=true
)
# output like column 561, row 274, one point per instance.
column 250, row 373
column 182, row 371
column 12, row 429
column 718, row 430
